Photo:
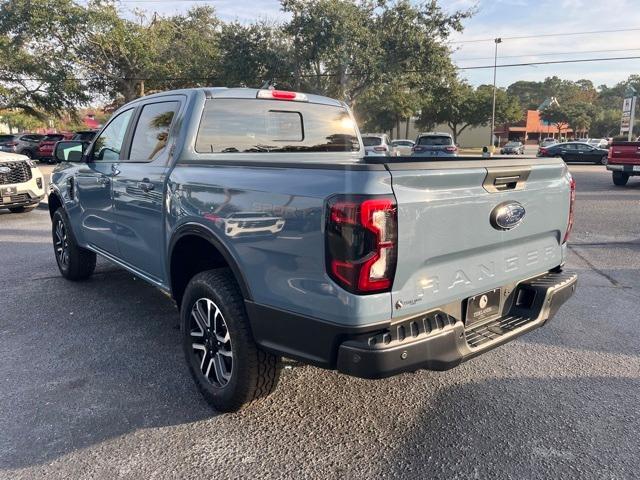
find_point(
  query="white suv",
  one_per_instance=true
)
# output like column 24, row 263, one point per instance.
column 21, row 183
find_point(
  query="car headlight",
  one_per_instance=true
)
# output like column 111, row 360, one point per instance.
column 31, row 163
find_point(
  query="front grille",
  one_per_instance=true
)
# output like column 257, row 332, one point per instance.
column 20, row 173
column 477, row 336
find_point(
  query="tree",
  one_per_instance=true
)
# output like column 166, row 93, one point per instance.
column 460, row 106
column 556, row 115
column 579, row 116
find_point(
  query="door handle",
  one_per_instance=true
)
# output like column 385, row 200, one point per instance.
column 146, row 186
column 103, row 180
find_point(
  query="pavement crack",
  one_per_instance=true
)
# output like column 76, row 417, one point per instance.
column 613, row 281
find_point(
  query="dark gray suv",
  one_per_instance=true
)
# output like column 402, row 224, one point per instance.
column 24, row 144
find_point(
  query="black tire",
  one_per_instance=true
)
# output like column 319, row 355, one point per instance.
column 28, row 153
column 603, row 160
column 74, row 262
column 620, row 179
column 241, row 378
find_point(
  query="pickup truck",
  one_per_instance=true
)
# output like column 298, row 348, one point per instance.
column 259, row 214
column 624, row 161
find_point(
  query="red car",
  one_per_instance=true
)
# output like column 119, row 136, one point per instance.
column 44, row 152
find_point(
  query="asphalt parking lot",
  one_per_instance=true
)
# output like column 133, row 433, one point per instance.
column 93, row 383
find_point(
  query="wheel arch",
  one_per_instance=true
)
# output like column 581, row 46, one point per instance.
column 193, row 238
column 54, row 202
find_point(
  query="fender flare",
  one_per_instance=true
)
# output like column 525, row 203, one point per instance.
column 199, row 230
column 54, row 192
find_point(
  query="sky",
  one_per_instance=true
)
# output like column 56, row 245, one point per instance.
column 502, row 18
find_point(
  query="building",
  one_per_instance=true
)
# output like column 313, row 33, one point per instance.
column 532, row 129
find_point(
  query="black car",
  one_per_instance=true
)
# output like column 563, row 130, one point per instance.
column 512, row 148
column 575, row 152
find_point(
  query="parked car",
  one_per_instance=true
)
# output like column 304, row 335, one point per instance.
column 24, row 143
column 378, row 144
column 380, row 266
column 44, row 151
column 575, row 152
column 403, row 147
column 84, row 135
column 21, row 183
column 598, row 142
column 624, row 161
column 513, row 148
column 546, row 142
column 435, row 144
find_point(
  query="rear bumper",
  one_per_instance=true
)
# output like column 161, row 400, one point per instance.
column 630, row 169
column 434, row 340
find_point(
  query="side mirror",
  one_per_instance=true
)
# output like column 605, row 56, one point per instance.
column 69, row 151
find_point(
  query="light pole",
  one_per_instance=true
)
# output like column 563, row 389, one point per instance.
column 493, row 108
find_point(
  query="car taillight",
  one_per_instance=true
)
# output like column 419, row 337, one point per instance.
column 451, row 148
column 11, row 144
column 418, row 148
column 542, row 151
column 282, row 95
column 380, row 149
column 362, row 242
column 572, row 201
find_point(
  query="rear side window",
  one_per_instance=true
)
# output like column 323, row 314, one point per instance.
column 152, row 131
column 435, row 140
column 248, row 125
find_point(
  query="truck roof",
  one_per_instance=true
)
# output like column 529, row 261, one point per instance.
column 237, row 92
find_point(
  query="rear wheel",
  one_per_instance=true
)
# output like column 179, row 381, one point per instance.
column 620, row 178
column 603, row 160
column 74, row 262
column 230, row 370
column 28, row 153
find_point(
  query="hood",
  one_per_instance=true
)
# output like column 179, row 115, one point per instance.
column 11, row 157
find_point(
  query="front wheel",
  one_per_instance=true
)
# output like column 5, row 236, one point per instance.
column 603, row 160
column 230, row 370
column 620, row 178
column 74, row 262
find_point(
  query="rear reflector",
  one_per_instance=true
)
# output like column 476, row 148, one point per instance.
column 282, row 95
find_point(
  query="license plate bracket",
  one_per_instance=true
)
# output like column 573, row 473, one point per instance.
column 484, row 306
column 8, row 191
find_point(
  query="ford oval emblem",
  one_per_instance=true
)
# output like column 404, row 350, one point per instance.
column 5, row 170
column 507, row 215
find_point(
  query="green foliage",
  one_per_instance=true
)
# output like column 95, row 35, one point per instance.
column 460, row 106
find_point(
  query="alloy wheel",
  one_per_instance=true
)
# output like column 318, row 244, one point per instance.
column 61, row 244
column 211, row 343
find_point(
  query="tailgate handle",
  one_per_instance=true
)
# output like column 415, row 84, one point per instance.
column 506, row 183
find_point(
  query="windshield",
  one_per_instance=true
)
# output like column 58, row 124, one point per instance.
column 435, row 140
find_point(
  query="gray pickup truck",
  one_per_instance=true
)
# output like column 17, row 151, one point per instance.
column 259, row 214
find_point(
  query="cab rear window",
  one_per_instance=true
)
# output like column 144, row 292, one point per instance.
column 248, row 126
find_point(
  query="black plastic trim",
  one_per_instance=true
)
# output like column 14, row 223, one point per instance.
column 204, row 232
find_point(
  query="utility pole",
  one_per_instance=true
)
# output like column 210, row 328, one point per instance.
column 493, row 108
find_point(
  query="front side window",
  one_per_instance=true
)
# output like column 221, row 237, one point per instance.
column 108, row 145
column 248, row 125
column 152, row 131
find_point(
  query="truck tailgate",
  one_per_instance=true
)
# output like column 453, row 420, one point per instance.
column 448, row 249
column 625, row 153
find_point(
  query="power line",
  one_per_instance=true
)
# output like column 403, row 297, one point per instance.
column 187, row 79
column 542, row 35
column 547, row 54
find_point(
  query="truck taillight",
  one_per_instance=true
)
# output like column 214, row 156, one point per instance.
column 362, row 242
column 572, row 201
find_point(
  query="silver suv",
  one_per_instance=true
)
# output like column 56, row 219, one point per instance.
column 435, row 144
column 24, row 144
column 378, row 145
